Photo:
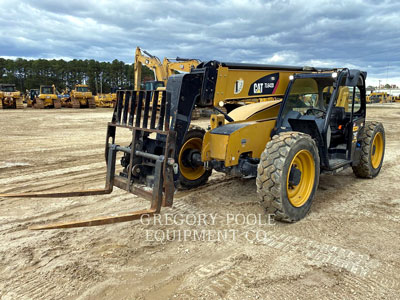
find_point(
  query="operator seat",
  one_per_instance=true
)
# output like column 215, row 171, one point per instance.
column 337, row 125
column 338, row 121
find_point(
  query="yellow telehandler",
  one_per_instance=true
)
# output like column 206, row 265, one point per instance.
column 10, row 97
column 318, row 126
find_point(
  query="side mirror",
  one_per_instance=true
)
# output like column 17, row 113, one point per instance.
column 352, row 77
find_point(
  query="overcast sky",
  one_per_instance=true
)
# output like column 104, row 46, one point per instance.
column 362, row 34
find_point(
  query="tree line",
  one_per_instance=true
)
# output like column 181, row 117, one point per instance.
column 30, row 74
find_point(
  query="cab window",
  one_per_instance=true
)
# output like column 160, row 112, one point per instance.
column 82, row 89
column 346, row 95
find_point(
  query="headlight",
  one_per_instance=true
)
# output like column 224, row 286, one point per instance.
column 221, row 103
column 291, row 77
column 334, row 75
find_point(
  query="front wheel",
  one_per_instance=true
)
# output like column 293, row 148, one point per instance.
column 192, row 173
column 288, row 175
column 372, row 150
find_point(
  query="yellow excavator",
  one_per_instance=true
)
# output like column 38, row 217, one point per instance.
column 47, row 97
column 10, row 97
column 162, row 70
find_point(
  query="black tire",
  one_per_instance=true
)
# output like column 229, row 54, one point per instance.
column 194, row 132
column 273, row 171
column 365, row 168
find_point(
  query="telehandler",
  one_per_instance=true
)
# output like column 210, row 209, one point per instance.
column 10, row 97
column 319, row 126
column 47, row 97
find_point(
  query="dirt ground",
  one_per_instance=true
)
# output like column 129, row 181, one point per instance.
column 348, row 247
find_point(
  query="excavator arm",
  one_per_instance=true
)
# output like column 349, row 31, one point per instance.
column 150, row 61
column 180, row 65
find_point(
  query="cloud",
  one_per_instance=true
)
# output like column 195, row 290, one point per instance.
column 339, row 33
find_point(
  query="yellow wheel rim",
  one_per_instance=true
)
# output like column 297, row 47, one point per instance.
column 300, row 193
column 377, row 150
column 187, row 171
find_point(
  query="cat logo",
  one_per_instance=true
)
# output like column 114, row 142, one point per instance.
column 258, row 88
column 238, row 86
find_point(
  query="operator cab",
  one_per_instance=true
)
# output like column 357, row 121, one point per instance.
column 330, row 107
column 33, row 93
column 153, row 85
column 46, row 90
column 82, row 89
column 9, row 88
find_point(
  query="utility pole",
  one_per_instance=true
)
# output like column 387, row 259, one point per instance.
column 101, row 83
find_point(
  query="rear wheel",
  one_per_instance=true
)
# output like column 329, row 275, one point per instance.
column 372, row 150
column 288, row 175
column 191, row 172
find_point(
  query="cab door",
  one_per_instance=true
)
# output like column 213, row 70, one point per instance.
column 351, row 97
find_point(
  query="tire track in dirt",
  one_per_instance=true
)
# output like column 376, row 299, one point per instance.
column 61, row 171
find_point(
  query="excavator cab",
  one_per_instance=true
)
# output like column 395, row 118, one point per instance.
column 153, row 85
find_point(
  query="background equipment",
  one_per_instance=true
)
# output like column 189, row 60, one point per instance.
column 10, row 97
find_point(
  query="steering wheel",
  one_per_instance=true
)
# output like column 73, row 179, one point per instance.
column 316, row 111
